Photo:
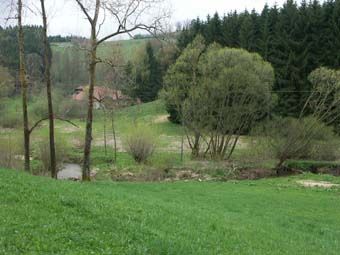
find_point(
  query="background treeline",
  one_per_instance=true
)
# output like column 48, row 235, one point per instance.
column 62, row 39
column 295, row 39
column 33, row 50
column 139, row 64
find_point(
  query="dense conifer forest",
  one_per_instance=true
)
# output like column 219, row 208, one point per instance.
column 295, row 39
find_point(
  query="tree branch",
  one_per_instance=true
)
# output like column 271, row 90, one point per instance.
column 82, row 7
column 56, row 118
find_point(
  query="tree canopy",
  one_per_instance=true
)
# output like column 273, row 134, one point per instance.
column 219, row 93
column 295, row 39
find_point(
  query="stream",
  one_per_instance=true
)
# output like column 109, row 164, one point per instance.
column 70, row 171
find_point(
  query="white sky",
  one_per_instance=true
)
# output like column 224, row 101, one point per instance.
column 66, row 19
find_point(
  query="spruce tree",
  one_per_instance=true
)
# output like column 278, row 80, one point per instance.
column 295, row 39
column 148, row 76
column 230, row 30
column 214, row 30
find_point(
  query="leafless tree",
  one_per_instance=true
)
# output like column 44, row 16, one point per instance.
column 18, row 7
column 24, row 87
column 47, row 63
column 128, row 16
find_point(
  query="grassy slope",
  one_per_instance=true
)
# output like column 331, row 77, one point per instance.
column 128, row 47
column 125, row 120
column 42, row 216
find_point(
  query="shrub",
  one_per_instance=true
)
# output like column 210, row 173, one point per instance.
column 140, row 143
column 10, row 113
column 311, row 166
column 10, row 120
column 72, row 109
column 289, row 138
column 39, row 109
column 6, row 82
column 11, row 151
column 42, row 152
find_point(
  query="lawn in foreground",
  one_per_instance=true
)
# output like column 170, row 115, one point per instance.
column 42, row 216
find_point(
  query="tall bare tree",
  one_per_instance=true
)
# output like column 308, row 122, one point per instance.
column 128, row 16
column 47, row 63
column 23, row 84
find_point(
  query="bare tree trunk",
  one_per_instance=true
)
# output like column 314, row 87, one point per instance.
column 47, row 63
column 182, row 147
column 114, row 136
column 23, row 83
column 9, row 164
column 122, row 14
column 196, row 146
column 105, row 140
column 89, row 120
column 232, row 148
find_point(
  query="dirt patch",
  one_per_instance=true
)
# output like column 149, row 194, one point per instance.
column 6, row 130
column 110, row 143
column 317, row 184
column 70, row 129
column 161, row 119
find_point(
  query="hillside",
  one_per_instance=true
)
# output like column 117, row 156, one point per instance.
column 42, row 216
column 128, row 47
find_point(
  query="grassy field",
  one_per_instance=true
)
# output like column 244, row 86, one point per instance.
column 153, row 116
column 274, row 216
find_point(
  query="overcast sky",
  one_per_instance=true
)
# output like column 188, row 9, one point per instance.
column 66, row 19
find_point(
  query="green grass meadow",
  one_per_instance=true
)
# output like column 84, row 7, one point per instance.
column 273, row 216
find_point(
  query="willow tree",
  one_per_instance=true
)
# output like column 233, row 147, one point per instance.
column 221, row 93
column 234, row 92
column 180, row 79
column 126, row 16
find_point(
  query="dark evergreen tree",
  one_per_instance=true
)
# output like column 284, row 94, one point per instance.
column 336, row 34
column 327, row 34
column 296, row 39
column 230, row 30
column 148, row 80
column 213, row 30
column 9, row 46
column 245, row 36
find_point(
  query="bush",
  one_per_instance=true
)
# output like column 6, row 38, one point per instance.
column 39, row 108
column 11, row 151
column 10, row 120
column 6, row 82
column 140, row 143
column 10, row 113
column 311, row 166
column 42, row 152
column 72, row 109
column 289, row 138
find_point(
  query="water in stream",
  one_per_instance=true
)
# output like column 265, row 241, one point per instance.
column 70, row 171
